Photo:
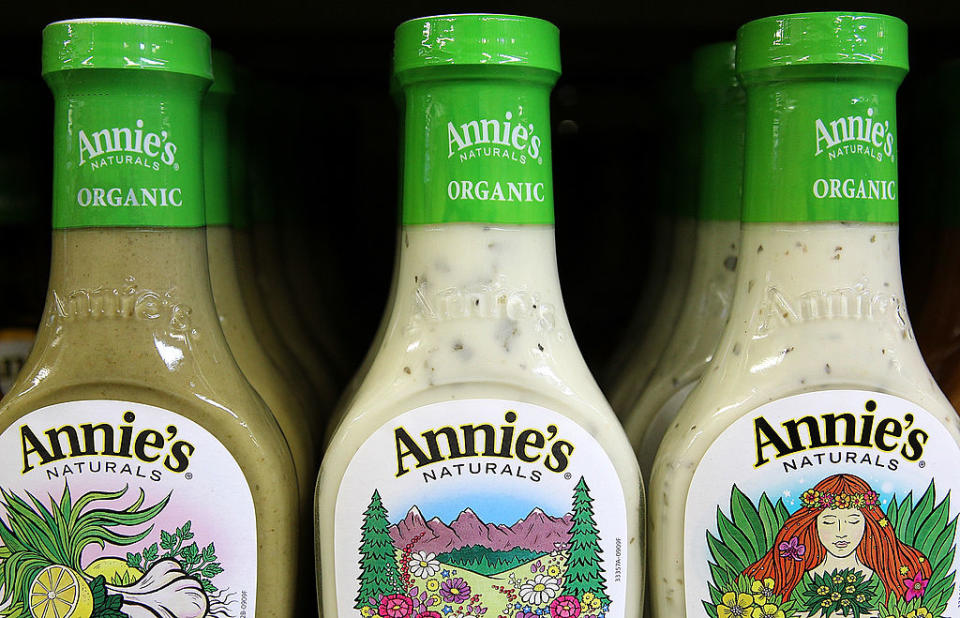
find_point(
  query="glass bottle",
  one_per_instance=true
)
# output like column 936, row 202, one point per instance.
column 131, row 433
column 811, row 470
column 478, row 463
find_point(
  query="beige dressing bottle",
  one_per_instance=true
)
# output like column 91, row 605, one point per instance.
column 131, row 437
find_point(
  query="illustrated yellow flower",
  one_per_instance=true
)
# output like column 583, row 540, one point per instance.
column 553, row 571
column 861, row 598
column 835, row 596
column 366, row 611
column 845, row 602
column 595, row 604
column 883, row 522
column 734, row 605
column 825, row 602
column 436, row 600
column 433, row 585
column 850, row 589
column 920, row 612
column 852, row 578
column 588, row 598
column 767, row 611
column 762, row 590
column 904, row 569
column 822, row 590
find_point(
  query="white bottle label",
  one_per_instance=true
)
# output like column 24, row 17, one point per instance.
column 481, row 508
column 111, row 508
column 827, row 503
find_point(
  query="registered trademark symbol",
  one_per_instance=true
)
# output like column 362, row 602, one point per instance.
column 176, row 167
column 567, row 475
column 189, row 475
column 923, row 464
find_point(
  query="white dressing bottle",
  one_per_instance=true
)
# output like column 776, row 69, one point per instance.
column 477, row 469
column 709, row 295
column 811, row 472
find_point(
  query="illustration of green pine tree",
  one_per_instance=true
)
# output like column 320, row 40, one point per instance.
column 584, row 573
column 378, row 561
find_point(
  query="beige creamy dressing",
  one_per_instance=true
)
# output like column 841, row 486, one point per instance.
column 268, row 336
column 173, row 359
column 818, row 306
column 491, row 325
column 705, row 311
column 291, row 413
column 276, row 294
column 647, row 351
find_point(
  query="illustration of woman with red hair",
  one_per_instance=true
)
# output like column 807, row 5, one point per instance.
column 841, row 527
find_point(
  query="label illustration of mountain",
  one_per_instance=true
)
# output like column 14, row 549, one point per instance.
column 541, row 565
column 44, row 572
column 847, row 550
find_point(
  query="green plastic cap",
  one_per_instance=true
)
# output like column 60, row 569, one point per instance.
column 714, row 67
column 810, row 39
column 126, row 44
column 477, row 39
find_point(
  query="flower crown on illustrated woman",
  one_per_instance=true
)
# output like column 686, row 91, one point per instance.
column 813, row 498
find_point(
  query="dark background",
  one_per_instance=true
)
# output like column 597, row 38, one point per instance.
column 321, row 73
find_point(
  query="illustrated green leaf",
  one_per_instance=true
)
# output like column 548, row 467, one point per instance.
column 211, row 570
column 98, row 588
column 747, row 520
column 134, row 560
column 782, row 514
column 722, row 554
column 735, row 540
column 711, row 609
column 167, row 540
column 721, row 577
column 768, row 515
column 905, row 508
column 150, row 553
column 184, row 532
column 208, row 586
column 209, row 553
column 920, row 514
column 893, row 512
column 191, row 553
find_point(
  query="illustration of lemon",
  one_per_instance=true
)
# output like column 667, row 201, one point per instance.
column 114, row 570
column 59, row 592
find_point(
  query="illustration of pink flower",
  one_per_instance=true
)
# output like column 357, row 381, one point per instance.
column 396, row 606
column 793, row 549
column 455, row 590
column 915, row 587
column 565, row 607
column 430, row 614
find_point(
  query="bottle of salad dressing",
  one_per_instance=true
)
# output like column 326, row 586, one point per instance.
column 709, row 294
column 478, row 468
column 812, row 470
column 291, row 413
column 131, row 436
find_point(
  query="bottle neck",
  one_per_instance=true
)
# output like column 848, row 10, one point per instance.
column 477, row 146
column 127, row 149
column 821, row 144
column 215, row 159
column 493, row 290
column 795, row 274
